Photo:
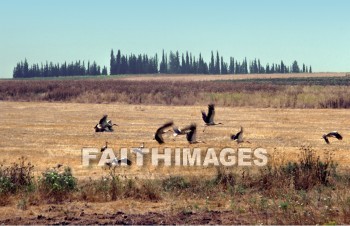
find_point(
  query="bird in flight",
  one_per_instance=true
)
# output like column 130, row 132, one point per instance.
column 104, row 125
column 334, row 134
column 239, row 136
column 209, row 118
column 191, row 133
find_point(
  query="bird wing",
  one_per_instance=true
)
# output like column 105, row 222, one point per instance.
column 204, row 116
column 238, row 136
column 166, row 125
column 211, row 113
column 103, row 120
column 235, row 136
column 191, row 135
column 325, row 138
column 336, row 135
column 158, row 136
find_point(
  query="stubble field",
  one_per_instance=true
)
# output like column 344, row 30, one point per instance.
column 51, row 133
column 54, row 133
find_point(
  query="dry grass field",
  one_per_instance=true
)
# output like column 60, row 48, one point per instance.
column 51, row 133
column 186, row 77
column 49, row 122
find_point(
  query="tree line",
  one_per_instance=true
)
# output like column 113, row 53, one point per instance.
column 217, row 65
column 174, row 63
column 78, row 68
column 189, row 64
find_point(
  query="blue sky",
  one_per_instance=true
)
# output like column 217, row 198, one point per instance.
column 314, row 32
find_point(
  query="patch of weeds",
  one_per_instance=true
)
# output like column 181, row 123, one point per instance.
column 151, row 190
column 175, row 183
column 57, row 185
column 284, row 206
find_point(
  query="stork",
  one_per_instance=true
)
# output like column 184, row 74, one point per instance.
column 104, row 125
column 191, row 132
column 104, row 147
column 334, row 134
column 239, row 136
column 209, row 118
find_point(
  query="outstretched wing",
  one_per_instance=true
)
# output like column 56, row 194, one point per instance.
column 238, row 136
column 204, row 116
column 234, row 136
column 325, row 138
column 336, row 135
column 158, row 136
column 103, row 121
column 191, row 134
column 211, row 113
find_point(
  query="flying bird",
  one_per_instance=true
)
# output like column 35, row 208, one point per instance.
column 239, row 136
column 334, row 134
column 104, row 125
column 104, row 147
column 160, row 131
column 209, row 118
column 191, row 132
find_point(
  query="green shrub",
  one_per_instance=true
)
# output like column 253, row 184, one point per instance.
column 57, row 185
column 18, row 176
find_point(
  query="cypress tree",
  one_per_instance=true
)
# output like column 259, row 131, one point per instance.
column 112, row 64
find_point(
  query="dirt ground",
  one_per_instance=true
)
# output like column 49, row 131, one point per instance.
column 150, row 218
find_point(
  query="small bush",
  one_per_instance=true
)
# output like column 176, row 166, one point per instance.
column 115, row 185
column 57, row 185
column 17, row 176
column 304, row 174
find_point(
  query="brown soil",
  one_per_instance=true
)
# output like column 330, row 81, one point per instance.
column 119, row 217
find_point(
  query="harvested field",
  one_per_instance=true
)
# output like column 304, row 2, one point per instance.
column 52, row 131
